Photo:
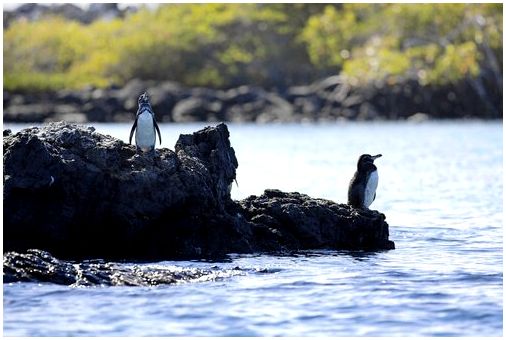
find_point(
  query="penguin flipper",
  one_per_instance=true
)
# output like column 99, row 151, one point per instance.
column 356, row 197
column 132, row 131
column 158, row 130
column 360, row 197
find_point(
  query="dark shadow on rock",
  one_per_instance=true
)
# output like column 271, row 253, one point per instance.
column 80, row 194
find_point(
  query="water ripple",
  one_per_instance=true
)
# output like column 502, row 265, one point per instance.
column 441, row 193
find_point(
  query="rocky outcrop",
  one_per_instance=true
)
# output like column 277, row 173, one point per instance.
column 296, row 221
column 41, row 266
column 80, row 194
column 329, row 99
column 170, row 101
column 76, row 192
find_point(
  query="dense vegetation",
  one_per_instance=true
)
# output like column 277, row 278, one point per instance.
column 272, row 45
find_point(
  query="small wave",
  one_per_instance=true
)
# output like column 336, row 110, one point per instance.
column 478, row 277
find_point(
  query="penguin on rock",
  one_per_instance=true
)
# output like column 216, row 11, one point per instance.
column 145, row 126
column 362, row 189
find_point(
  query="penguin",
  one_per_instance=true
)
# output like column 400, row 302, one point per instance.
column 145, row 124
column 362, row 189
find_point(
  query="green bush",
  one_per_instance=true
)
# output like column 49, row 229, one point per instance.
column 272, row 45
column 435, row 43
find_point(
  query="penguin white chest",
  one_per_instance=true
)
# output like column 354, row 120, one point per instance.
column 370, row 188
column 145, row 134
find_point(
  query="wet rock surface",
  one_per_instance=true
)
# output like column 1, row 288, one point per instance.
column 79, row 195
column 40, row 266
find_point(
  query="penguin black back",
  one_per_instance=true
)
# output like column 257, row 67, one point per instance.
column 362, row 188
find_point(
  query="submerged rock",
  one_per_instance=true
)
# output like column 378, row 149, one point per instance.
column 80, row 194
column 40, row 266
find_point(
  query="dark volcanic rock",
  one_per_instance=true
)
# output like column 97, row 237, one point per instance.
column 28, row 113
column 73, row 191
column 39, row 266
column 196, row 109
column 80, row 194
column 297, row 221
column 330, row 99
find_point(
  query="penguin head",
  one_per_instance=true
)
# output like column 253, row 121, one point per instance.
column 143, row 98
column 366, row 161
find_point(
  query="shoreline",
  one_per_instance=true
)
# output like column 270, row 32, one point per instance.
column 328, row 100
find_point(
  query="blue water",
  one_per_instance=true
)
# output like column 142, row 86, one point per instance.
column 440, row 186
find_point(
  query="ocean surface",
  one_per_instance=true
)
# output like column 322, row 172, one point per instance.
column 440, row 187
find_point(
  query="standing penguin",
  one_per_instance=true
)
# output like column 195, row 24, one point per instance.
column 362, row 189
column 145, row 136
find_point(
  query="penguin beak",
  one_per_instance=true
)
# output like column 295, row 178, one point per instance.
column 377, row 156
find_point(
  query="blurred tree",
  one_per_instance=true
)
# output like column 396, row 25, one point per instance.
column 272, row 45
column 435, row 44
